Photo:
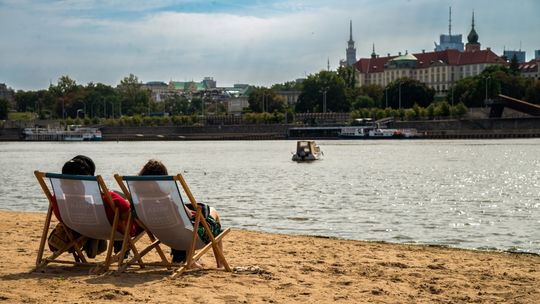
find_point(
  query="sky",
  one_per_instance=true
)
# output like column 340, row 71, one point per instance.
column 259, row 42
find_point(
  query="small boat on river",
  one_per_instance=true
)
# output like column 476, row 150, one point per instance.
column 307, row 150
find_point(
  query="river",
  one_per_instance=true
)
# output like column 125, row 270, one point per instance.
column 482, row 194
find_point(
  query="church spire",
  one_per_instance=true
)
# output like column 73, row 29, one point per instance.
column 472, row 38
column 373, row 54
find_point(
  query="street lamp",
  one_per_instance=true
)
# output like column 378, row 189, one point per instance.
column 487, row 79
column 400, row 95
column 324, row 101
column 84, row 103
column 324, row 91
column 80, row 110
column 386, row 95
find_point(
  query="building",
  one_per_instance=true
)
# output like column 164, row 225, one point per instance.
column 520, row 55
column 449, row 41
column 537, row 54
column 350, row 51
column 439, row 70
column 530, row 69
column 159, row 90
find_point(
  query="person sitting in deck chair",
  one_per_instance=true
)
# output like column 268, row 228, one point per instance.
column 155, row 167
column 83, row 165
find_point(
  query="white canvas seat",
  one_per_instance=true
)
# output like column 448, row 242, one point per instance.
column 159, row 209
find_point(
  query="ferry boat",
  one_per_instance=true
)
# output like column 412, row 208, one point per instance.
column 366, row 129
column 307, row 150
column 72, row 133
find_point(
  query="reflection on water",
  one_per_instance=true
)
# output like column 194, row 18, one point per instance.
column 471, row 194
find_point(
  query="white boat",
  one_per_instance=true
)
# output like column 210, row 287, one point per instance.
column 372, row 130
column 73, row 133
column 307, row 150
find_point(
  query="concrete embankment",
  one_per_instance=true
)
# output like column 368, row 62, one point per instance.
column 432, row 129
column 475, row 128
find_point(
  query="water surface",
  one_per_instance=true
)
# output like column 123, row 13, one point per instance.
column 471, row 194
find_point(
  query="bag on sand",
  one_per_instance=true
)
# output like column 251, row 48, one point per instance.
column 59, row 238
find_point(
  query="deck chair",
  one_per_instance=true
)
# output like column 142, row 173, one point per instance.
column 82, row 210
column 158, row 206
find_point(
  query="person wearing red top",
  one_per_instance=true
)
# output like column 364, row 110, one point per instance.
column 83, row 165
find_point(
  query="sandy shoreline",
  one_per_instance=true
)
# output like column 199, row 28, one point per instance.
column 292, row 269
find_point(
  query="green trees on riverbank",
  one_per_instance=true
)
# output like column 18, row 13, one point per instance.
column 130, row 103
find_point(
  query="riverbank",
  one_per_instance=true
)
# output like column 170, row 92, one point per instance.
column 477, row 128
column 285, row 269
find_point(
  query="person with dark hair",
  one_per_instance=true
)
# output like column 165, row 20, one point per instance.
column 83, row 165
column 156, row 167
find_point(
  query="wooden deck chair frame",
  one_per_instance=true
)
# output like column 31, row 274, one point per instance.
column 74, row 243
column 199, row 220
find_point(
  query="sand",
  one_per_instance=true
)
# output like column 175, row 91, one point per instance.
column 273, row 268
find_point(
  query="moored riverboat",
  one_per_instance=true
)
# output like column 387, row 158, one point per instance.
column 72, row 133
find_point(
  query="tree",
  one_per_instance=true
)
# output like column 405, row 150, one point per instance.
column 405, row 92
column 375, row 91
column 318, row 86
column 266, row 100
column 493, row 80
column 533, row 92
column 4, row 109
column 363, row 101
column 134, row 99
column 514, row 65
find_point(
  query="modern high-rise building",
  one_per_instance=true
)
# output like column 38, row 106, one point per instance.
column 449, row 41
column 520, row 55
column 537, row 54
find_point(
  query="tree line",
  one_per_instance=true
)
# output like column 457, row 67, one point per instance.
column 326, row 91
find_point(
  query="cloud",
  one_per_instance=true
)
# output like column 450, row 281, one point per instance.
column 257, row 42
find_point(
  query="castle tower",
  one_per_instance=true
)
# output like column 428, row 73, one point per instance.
column 472, row 45
column 351, row 51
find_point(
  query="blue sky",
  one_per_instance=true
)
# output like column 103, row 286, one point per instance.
column 256, row 42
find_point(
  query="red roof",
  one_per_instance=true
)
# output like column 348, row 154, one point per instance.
column 529, row 67
column 449, row 57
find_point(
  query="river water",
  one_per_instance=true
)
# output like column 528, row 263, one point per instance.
column 482, row 194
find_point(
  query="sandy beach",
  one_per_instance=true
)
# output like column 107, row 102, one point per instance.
column 273, row 268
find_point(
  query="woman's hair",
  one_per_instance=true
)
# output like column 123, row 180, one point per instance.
column 91, row 167
column 76, row 166
column 154, row 167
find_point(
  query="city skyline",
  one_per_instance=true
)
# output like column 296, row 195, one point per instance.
column 255, row 42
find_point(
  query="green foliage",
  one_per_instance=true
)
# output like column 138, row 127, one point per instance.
column 21, row 115
column 265, row 100
column 405, row 92
column 316, row 87
column 494, row 80
column 4, row 109
column 363, row 102
column 533, row 92
column 287, row 86
column 442, row 109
